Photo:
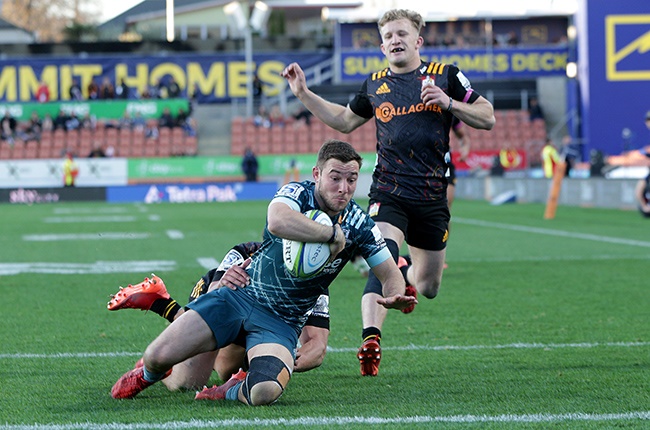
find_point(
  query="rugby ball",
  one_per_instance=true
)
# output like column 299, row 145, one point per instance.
column 307, row 259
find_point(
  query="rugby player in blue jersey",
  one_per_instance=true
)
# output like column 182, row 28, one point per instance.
column 272, row 308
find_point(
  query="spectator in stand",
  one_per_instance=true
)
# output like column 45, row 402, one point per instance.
column 107, row 90
column 43, row 93
column 513, row 40
column 262, row 118
column 89, row 121
column 97, row 151
column 93, row 90
column 249, row 165
column 181, row 118
column 535, row 110
column 173, row 89
column 276, row 117
column 302, row 117
column 8, row 126
column 126, row 122
column 194, row 99
column 122, row 91
column 158, row 90
column 139, row 122
column 166, row 119
column 60, row 120
column 73, row 122
column 75, row 91
column 145, row 94
column 48, row 124
column 33, row 128
column 151, row 130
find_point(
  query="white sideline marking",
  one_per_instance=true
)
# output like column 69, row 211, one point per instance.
column 92, row 268
column 77, row 219
column 208, row 262
column 108, row 210
column 603, row 257
column 340, row 421
column 87, row 236
column 154, row 217
column 175, row 234
column 551, row 232
column 346, row 350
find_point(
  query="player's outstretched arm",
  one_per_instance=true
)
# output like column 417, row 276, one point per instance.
column 336, row 116
column 393, row 286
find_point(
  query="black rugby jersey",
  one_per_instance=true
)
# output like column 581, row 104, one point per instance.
column 412, row 139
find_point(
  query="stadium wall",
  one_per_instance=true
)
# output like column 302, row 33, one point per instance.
column 588, row 192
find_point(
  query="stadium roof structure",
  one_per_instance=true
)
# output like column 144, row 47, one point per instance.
column 372, row 10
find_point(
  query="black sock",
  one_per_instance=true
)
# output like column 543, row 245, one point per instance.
column 166, row 308
column 371, row 332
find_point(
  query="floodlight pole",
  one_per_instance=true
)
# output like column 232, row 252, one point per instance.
column 248, row 47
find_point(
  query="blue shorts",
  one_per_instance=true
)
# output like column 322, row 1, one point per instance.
column 233, row 313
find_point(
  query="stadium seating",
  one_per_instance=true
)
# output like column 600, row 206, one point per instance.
column 125, row 142
column 513, row 129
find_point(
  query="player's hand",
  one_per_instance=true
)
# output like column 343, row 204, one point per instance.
column 235, row 277
column 338, row 245
column 398, row 301
column 295, row 78
column 434, row 95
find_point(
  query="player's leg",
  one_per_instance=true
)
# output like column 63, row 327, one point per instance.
column 229, row 360
column 193, row 373
column 270, row 370
column 428, row 232
column 372, row 313
column 186, row 337
column 150, row 294
column 425, row 273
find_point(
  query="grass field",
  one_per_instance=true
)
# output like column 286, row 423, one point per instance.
column 539, row 323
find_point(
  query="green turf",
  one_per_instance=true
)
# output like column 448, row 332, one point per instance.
column 538, row 324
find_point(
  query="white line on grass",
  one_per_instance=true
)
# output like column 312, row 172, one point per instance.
column 87, row 236
column 341, row 421
column 346, row 350
column 79, row 219
column 175, row 234
column 208, row 262
column 103, row 210
column 551, row 232
column 91, row 268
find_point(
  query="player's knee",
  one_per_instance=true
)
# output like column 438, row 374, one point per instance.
column 265, row 380
column 429, row 289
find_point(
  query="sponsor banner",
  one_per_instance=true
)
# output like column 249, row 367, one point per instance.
column 192, row 193
column 31, row 196
column 499, row 63
column 227, row 167
column 510, row 160
column 98, row 108
column 614, row 74
column 217, row 77
column 93, row 172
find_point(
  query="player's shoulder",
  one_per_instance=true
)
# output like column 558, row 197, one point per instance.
column 436, row 68
column 356, row 217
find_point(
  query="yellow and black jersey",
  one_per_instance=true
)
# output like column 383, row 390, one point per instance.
column 412, row 139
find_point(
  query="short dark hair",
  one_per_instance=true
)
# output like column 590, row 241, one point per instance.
column 339, row 150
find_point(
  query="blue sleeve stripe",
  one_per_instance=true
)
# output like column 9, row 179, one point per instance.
column 380, row 257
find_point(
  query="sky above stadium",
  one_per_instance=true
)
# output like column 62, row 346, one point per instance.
column 112, row 8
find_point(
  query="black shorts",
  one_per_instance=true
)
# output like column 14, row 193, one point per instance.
column 424, row 224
